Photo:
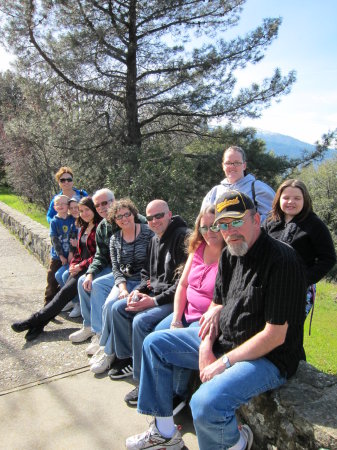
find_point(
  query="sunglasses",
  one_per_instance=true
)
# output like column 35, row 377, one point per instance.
column 213, row 228
column 235, row 224
column 98, row 205
column 155, row 216
column 120, row 216
column 66, row 180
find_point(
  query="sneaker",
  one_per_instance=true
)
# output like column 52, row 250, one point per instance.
column 81, row 335
column 122, row 368
column 153, row 439
column 68, row 307
column 178, row 404
column 96, row 356
column 103, row 364
column 131, row 398
column 94, row 346
column 76, row 312
column 247, row 435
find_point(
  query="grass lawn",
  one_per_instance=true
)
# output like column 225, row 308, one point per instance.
column 29, row 209
column 321, row 346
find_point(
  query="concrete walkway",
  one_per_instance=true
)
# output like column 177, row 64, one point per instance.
column 48, row 398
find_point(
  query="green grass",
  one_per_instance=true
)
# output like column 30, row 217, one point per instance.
column 321, row 346
column 29, row 209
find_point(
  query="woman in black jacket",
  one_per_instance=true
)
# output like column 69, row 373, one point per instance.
column 293, row 221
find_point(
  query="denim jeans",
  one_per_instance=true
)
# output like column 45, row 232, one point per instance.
column 166, row 323
column 130, row 330
column 92, row 302
column 62, row 276
column 107, row 333
column 214, row 404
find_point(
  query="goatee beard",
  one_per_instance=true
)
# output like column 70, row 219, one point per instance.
column 237, row 249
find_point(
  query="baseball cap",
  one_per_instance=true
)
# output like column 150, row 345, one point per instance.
column 232, row 204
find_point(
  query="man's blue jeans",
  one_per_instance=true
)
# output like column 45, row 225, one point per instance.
column 92, row 302
column 214, row 404
column 107, row 339
column 130, row 330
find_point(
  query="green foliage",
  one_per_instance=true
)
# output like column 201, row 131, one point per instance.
column 321, row 182
column 321, row 345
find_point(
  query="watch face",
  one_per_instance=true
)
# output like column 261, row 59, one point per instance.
column 225, row 360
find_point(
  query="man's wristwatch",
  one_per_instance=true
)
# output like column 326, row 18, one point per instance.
column 226, row 361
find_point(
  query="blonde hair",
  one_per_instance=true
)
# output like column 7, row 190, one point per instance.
column 61, row 171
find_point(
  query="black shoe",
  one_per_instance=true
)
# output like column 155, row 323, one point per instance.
column 121, row 368
column 24, row 325
column 178, row 404
column 33, row 333
column 131, row 398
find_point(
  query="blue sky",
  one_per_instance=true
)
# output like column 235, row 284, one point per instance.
column 307, row 43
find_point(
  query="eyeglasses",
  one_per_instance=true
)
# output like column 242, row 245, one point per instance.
column 98, row 205
column 213, row 228
column 66, row 180
column 120, row 216
column 155, row 216
column 233, row 164
column 235, row 224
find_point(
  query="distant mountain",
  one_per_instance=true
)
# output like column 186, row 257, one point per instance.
column 283, row 145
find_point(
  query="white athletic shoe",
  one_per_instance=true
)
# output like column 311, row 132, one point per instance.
column 81, row 335
column 247, row 435
column 96, row 356
column 153, row 439
column 94, row 345
column 103, row 364
column 68, row 306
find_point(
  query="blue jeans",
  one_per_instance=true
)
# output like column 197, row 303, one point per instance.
column 214, row 404
column 130, row 330
column 92, row 302
column 107, row 332
column 62, row 276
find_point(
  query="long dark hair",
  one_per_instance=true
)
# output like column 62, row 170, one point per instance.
column 87, row 201
column 278, row 214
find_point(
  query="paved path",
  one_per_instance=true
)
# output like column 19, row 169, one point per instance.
column 48, row 398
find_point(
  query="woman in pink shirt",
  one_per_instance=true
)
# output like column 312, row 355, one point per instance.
column 196, row 285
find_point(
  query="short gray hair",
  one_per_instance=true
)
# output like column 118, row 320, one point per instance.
column 106, row 191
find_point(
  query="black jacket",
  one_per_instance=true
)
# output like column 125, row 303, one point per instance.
column 312, row 241
column 164, row 255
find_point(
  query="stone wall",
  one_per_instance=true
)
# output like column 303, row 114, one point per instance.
column 302, row 415
column 34, row 237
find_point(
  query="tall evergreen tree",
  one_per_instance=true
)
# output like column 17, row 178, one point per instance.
column 162, row 66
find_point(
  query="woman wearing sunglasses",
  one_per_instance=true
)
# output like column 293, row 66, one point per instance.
column 196, row 285
column 86, row 248
column 128, row 250
column 64, row 178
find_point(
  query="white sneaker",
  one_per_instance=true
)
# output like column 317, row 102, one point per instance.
column 103, row 364
column 68, row 306
column 153, row 439
column 93, row 347
column 81, row 335
column 96, row 356
column 247, row 435
column 76, row 312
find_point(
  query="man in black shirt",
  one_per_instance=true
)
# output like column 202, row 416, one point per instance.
column 250, row 339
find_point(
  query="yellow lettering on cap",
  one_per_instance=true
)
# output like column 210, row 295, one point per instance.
column 226, row 203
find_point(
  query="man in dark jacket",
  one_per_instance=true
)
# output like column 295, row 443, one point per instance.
column 155, row 293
